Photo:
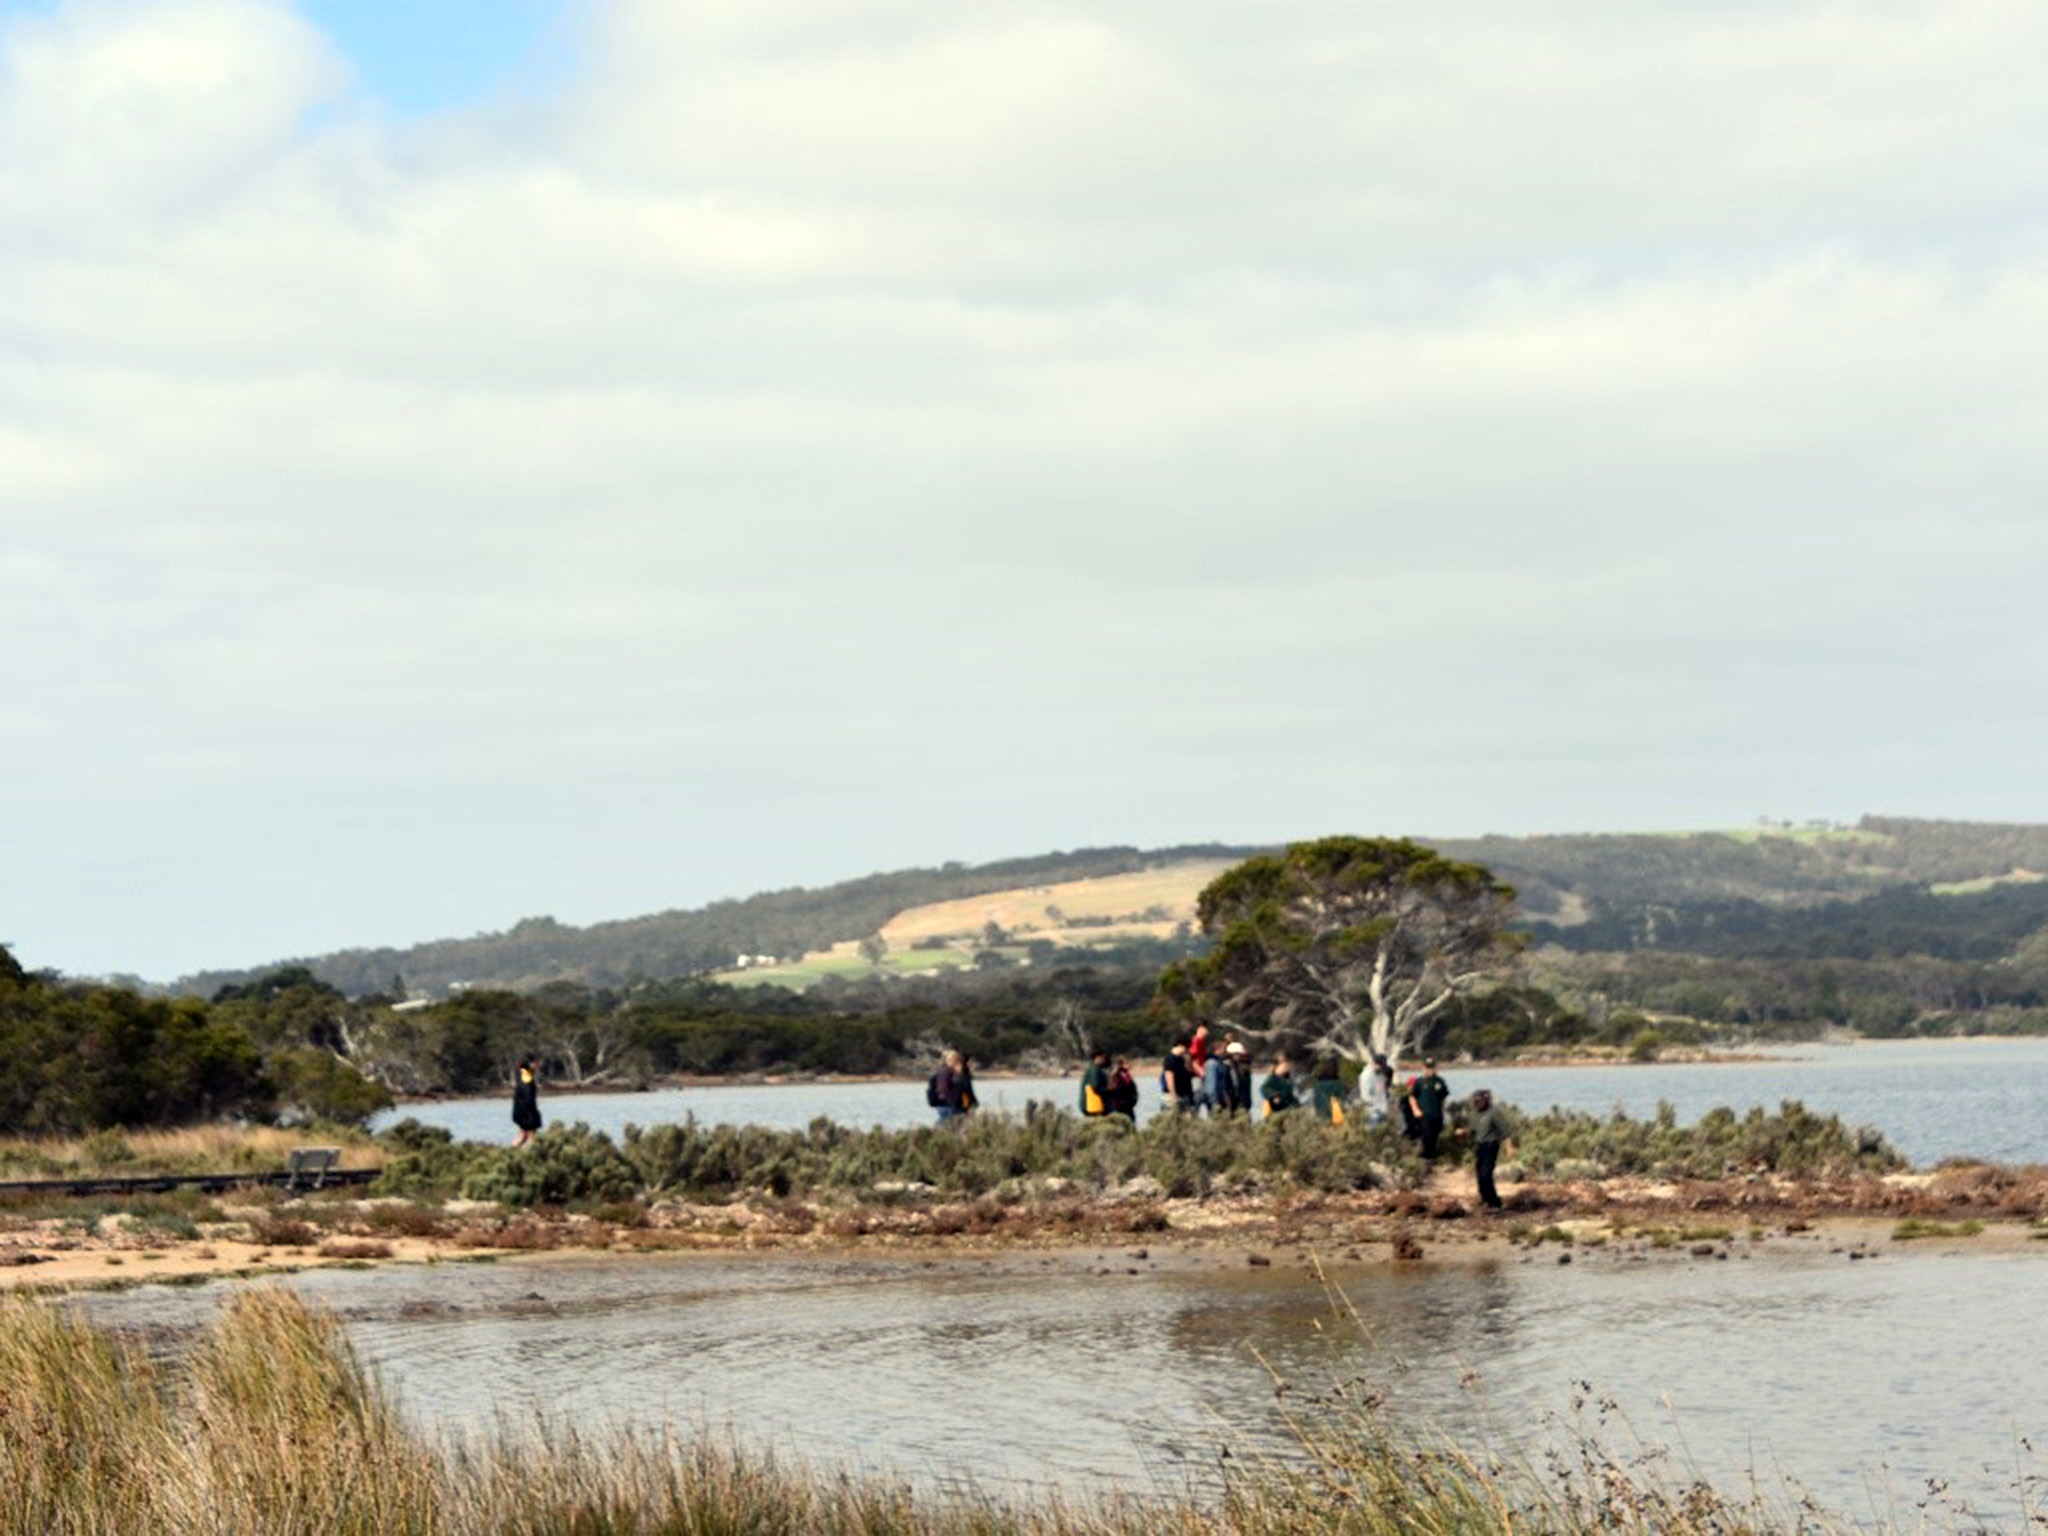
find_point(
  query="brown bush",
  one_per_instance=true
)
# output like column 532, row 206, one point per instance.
column 345, row 1248
column 404, row 1220
column 526, row 1234
column 274, row 1231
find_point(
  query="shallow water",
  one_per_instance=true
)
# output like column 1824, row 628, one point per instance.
column 1932, row 1099
column 1858, row 1380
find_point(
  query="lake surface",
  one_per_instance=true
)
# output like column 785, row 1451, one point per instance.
column 1857, row 1380
column 1932, row 1099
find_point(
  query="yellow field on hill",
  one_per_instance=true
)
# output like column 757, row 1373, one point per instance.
column 1168, row 891
column 1023, row 913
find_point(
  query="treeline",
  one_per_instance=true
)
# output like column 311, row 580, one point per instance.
column 593, row 1035
column 1799, row 997
column 1903, row 920
column 85, row 1057
column 786, row 924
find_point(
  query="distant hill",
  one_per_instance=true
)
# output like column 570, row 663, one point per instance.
column 783, row 925
column 1770, row 889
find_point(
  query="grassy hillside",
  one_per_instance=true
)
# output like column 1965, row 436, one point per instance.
column 1724, row 892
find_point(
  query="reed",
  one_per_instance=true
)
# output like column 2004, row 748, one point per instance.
column 272, row 1427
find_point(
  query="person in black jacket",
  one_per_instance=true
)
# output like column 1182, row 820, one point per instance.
column 526, row 1099
column 1177, row 1078
column 1240, row 1076
column 1123, row 1090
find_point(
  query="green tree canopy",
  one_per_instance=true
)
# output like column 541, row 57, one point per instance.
column 1346, row 945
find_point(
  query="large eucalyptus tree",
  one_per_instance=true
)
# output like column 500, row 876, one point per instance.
column 1346, row 945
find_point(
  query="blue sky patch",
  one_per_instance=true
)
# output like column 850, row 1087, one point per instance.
column 421, row 56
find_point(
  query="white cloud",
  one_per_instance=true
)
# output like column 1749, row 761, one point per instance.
column 840, row 439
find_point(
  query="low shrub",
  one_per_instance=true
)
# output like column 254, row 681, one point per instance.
column 1794, row 1141
column 275, row 1231
column 564, row 1165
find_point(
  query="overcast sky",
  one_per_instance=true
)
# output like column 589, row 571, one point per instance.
column 475, row 460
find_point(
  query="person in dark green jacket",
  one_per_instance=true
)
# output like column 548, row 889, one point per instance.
column 1278, row 1089
column 1326, row 1095
column 1427, row 1098
column 1095, row 1086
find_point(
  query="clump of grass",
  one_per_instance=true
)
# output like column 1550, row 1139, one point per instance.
column 275, row 1231
column 401, row 1218
column 1914, row 1228
column 353, row 1248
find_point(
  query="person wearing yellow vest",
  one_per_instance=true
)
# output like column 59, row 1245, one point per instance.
column 1278, row 1089
column 1095, row 1086
column 1326, row 1095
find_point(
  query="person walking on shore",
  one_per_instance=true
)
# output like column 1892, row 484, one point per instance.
column 1427, row 1097
column 1217, row 1096
column 1379, row 1092
column 1240, row 1075
column 1177, row 1078
column 1123, row 1090
column 1095, row 1086
column 1326, row 1093
column 1489, row 1129
column 526, row 1099
column 943, row 1091
column 964, row 1085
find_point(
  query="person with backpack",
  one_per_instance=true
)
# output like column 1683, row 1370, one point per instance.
column 1217, row 1094
column 942, row 1091
column 1095, row 1086
column 1278, row 1089
column 1240, row 1061
column 1326, row 1094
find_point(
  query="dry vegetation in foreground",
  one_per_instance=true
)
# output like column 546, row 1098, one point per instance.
column 270, row 1426
column 184, row 1150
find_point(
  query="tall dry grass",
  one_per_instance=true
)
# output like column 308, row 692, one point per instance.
column 186, row 1149
column 272, row 1428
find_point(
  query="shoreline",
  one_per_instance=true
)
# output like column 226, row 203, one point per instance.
column 1617, row 1057
column 1070, row 1073
column 1948, row 1211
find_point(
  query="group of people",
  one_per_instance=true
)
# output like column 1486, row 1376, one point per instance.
column 1196, row 1079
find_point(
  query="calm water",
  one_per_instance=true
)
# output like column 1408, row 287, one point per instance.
column 1855, row 1380
column 1933, row 1099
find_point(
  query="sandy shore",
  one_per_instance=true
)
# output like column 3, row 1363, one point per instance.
column 1979, row 1210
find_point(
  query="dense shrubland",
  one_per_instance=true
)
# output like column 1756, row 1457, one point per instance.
column 1050, row 1151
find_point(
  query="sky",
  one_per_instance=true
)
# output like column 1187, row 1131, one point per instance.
column 472, row 460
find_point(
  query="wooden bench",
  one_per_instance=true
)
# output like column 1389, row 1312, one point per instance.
column 316, row 1162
